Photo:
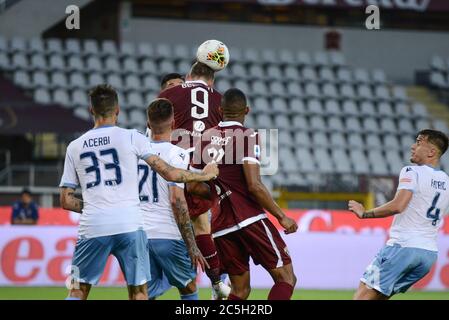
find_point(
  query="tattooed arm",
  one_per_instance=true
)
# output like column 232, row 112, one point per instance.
column 170, row 173
column 69, row 201
column 181, row 213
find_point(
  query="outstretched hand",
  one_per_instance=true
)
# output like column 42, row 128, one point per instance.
column 356, row 208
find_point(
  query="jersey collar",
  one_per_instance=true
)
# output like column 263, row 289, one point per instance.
column 197, row 81
column 229, row 123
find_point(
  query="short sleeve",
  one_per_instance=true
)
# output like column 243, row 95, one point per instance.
column 141, row 144
column 69, row 177
column 180, row 159
column 408, row 179
column 252, row 147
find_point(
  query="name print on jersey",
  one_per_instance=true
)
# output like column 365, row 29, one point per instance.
column 440, row 185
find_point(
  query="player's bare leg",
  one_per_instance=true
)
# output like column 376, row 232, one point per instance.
column 284, row 283
column 81, row 292
column 138, row 292
column 366, row 293
column 240, row 286
column 206, row 244
column 190, row 292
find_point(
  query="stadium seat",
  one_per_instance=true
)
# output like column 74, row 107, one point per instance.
column 148, row 66
column 135, row 100
column 22, row 79
column 294, row 89
column 326, row 75
column 336, row 58
column 368, row 109
column 382, row 93
column 299, row 122
column 132, row 82
column 251, row 55
column 17, row 45
column 421, row 124
column 75, row 63
column 332, row 108
column 108, row 48
column 338, row 140
column 286, row 57
column 385, row 109
column 145, row 50
column 391, row 142
column 341, row 161
column 336, row 125
column 83, row 113
column 127, row 50
column 379, row 76
column 301, row 138
column 269, row 56
column 72, row 47
column 361, row 76
column 150, row 83
column 54, row 46
column 42, row 96
column 372, row 141
column 441, row 126
column 279, row 105
column 77, row 81
column 319, row 139
column 438, row 80
column 394, row 161
column 56, row 62
column 19, row 61
column 38, row 62
column 222, row 85
column 256, row 71
column 364, row 92
column 402, row 110
column 286, row 138
column 112, row 64
column 35, row 45
column 264, row 121
column 400, row 94
column 238, row 71
column 183, row 67
column 61, row 96
column 330, row 91
column 323, row 160
column 309, row 74
column 130, row 65
column 353, row 125
column 297, row 106
column 349, row 108
column 95, row 79
column 3, row 45
column 259, row 88
column 359, row 161
column 303, row 58
column 347, row 91
column 388, row 126
column 4, row 62
column 344, row 75
column 405, row 126
column 93, row 63
column 317, row 123
column 419, row 110
column 59, row 80
column 314, row 107
column 166, row 66
column 115, row 81
column 355, row 141
column 437, row 63
column 291, row 73
column 274, row 72
column 242, row 85
column 261, row 105
column 311, row 90
column 277, row 89
column 40, row 80
column 79, row 99
column 281, row 121
column 91, row 48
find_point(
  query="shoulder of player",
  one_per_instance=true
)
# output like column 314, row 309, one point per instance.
column 177, row 153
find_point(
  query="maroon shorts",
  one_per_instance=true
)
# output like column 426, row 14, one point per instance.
column 197, row 205
column 260, row 240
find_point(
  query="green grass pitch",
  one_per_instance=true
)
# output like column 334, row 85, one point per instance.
column 102, row 293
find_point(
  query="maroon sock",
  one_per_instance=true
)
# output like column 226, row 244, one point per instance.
column 207, row 247
column 233, row 297
column 281, row 291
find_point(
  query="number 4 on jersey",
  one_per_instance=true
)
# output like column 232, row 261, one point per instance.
column 434, row 216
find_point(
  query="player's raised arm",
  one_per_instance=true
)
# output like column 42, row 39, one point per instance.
column 69, row 201
column 170, row 173
column 264, row 198
column 395, row 206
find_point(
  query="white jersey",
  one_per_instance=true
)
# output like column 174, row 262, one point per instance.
column 103, row 162
column 154, row 190
column 418, row 225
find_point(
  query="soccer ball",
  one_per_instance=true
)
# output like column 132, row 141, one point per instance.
column 214, row 54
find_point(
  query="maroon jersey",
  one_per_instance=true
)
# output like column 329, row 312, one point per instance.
column 196, row 108
column 230, row 144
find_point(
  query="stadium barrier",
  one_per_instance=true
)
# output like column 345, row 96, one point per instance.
column 330, row 251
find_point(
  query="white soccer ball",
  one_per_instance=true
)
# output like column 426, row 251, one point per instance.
column 214, row 54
